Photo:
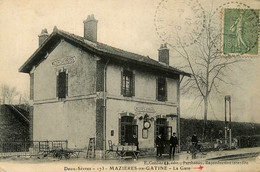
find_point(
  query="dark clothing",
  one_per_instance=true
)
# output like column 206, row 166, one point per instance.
column 159, row 145
column 159, row 142
column 194, row 140
column 173, row 143
column 159, row 151
column 172, row 151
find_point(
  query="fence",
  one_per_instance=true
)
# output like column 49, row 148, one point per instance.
column 30, row 148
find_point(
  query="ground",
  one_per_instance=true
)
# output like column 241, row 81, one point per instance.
column 247, row 159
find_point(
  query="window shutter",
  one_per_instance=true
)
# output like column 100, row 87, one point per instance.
column 62, row 85
column 122, row 75
column 57, row 85
column 67, row 84
column 134, row 121
column 168, row 132
column 119, row 131
column 133, row 84
column 156, row 88
column 31, row 86
column 155, row 135
column 165, row 97
column 135, row 130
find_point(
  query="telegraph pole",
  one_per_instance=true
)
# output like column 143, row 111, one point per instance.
column 225, row 120
column 228, row 127
column 230, row 135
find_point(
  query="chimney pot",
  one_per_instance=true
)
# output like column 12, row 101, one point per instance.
column 43, row 36
column 163, row 54
column 55, row 29
column 90, row 28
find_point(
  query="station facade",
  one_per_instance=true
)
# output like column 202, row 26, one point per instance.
column 81, row 88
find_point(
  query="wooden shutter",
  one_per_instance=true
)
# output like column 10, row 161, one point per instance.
column 165, row 96
column 133, row 84
column 155, row 135
column 67, row 84
column 119, row 131
column 168, row 132
column 62, row 85
column 122, row 75
column 31, row 86
column 156, row 88
column 135, row 130
column 57, row 85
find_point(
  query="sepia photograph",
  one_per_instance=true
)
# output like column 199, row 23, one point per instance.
column 129, row 85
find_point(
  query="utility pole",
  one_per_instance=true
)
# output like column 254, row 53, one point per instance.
column 228, row 127
column 225, row 120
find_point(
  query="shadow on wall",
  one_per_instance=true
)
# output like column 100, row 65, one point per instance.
column 14, row 122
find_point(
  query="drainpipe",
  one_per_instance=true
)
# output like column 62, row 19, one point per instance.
column 178, row 113
column 105, row 106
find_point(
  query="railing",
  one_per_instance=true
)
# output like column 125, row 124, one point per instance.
column 30, row 148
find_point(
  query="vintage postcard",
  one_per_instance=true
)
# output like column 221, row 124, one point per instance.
column 133, row 85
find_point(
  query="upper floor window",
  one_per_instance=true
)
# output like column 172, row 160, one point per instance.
column 62, row 84
column 161, row 89
column 127, row 83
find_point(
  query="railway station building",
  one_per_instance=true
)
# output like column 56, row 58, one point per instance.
column 81, row 88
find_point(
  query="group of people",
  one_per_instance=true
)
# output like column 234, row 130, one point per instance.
column 160, row 144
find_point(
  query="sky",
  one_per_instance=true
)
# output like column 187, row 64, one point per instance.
column 124, row 24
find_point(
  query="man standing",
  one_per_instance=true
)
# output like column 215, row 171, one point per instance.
column 159, row 145
column 173, row 144
column 194, row 140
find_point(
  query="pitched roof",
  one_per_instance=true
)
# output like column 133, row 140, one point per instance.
column 96, row 47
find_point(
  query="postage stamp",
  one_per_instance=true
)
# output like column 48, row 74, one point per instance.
column 240, row 32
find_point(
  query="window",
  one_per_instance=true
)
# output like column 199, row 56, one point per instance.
column 31, row 86
column 62, row 85
column 127, row 83
column 161, row 89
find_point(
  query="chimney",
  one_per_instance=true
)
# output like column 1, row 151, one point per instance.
column 90, row 28
column 43, row 36
column 163, row 54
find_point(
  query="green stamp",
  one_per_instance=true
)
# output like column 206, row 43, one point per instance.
column 240, row 32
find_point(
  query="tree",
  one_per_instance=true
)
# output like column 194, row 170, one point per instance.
column 8, row 93
column 208, row 68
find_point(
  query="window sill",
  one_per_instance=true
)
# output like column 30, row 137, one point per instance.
column 127, row 95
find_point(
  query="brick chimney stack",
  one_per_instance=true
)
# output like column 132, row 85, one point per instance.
column 90, row 28
column 163, row 54
column 43, row 36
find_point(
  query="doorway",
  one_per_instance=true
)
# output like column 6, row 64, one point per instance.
column 162, row 127
column 129, row 131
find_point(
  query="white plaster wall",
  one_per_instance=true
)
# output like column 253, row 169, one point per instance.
column 115, row 107
column 81, row 74
column 113, row 79
column 145, row 84
column 44, row 81
column 75, row 119
column 172, row 90
column 72, row 120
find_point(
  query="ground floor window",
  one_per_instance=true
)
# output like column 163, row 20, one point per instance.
column 128, row 131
